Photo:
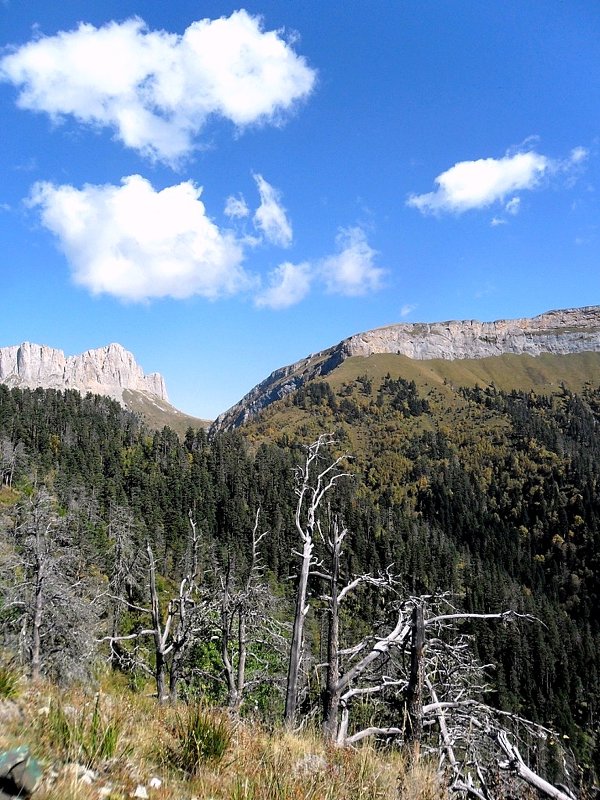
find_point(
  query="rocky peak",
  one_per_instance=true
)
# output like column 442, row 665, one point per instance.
column 108, row 370
column 572, row 330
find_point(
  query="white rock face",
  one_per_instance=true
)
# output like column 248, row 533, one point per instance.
column 573, row 330
column 107, row 371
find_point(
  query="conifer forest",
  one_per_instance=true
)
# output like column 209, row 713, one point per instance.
column 377, row 569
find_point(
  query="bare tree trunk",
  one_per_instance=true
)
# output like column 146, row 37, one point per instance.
column 182, row 608
column 311, row 487
column 160, row 675
column 516, row 764
column 160, row 667
column 414, row 691
column 242, row 653
column 297, row 636
column 226, row 616
column 38, row 614
column 174, row 675
column 331, row 694
column 242, row 603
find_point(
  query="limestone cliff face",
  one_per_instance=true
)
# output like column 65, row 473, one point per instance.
column 573, row 330
column 570, row 331
column 108, row 370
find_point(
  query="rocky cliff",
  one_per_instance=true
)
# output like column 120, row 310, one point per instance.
column 108, row 370
column 573, row 330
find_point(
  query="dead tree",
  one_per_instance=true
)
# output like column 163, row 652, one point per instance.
column 414, row 689
column 337, row 682
column 242, row 610
column 171, row 632
column 123, row 567
column 11, row 457
column 47, row 592
column 442, row 685
column 186, row 608
column 421, row 660
column 313, row 482
column 472, row 740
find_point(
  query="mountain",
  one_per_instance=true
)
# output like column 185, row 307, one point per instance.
column 107, row 370
column 475, row 463
column 562, row 332
column 475, row 475
column 111, row 371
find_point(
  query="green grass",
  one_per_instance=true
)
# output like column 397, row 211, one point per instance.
column 87, row 736
column 10, row 681
column 541, row 373
column 8, row 497
column 200, row 737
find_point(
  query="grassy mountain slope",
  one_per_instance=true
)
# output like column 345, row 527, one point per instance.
column 157, row 413
column 567, row 331
column 435, row 380
column 500, row 458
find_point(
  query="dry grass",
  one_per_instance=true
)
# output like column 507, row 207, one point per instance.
column 256, row 764
column 8, row 497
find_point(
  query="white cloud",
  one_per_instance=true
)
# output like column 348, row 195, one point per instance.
column 478, row 184
column 497, row 221
column 351, row 271
column 578, row 154
column 270, row 216
column 407, row 309
column 513, row 206
column 137, row 243
column 157, row 89
column 288, row 285
column 236, row 207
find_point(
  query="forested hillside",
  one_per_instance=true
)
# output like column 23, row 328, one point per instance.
column 486, row 493
column 491, row 492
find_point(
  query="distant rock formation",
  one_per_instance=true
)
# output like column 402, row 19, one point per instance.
column 573, row 330
column 108, row 370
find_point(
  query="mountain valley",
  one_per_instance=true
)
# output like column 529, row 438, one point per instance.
column 475, row 479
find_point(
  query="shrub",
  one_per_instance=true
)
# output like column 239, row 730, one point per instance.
column 84, row 737
column 200, row 737
column 10, row 680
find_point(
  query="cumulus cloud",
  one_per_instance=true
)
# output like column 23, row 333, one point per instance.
column 288, row 285
column 236, row 207
column 137, row 243
column 270, row 216
column 480, row 183
column 156, row 89
column 351, row 271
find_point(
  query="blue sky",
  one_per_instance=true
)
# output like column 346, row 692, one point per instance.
column 224, row 189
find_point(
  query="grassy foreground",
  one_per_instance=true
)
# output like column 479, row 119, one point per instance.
column 114, row 743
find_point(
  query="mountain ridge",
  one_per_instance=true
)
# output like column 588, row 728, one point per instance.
column 105, row 370
column 560, row 331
